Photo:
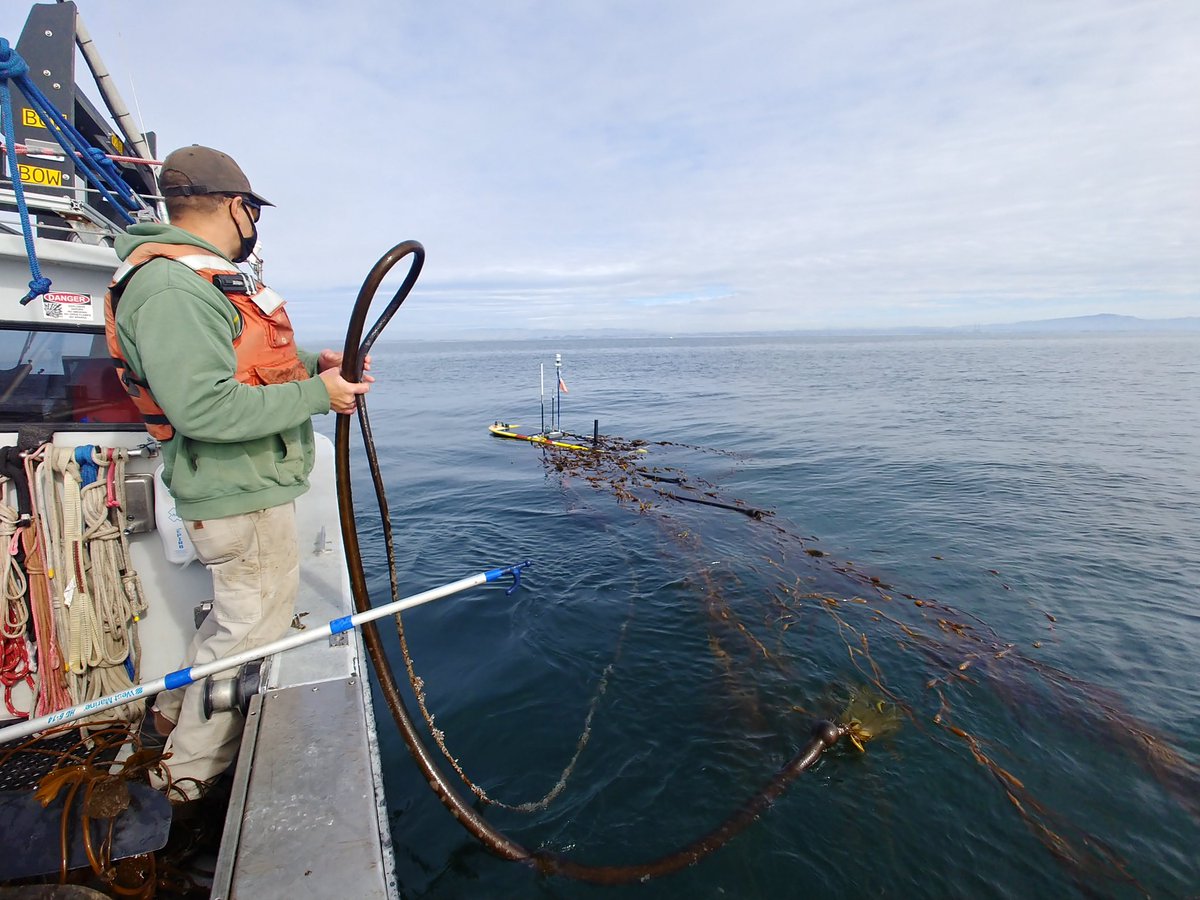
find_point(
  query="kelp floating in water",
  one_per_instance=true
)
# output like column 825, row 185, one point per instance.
column 957, row 653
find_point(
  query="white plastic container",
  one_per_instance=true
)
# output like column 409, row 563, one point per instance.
column 177, row 546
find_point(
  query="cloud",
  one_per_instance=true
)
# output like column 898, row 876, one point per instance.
column 574, row 165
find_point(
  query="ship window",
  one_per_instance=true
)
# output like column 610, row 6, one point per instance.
column 60, row 377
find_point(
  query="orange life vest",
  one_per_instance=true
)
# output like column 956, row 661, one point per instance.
column 265, row 346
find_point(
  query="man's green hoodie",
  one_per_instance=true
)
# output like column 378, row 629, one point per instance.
column 237, row 447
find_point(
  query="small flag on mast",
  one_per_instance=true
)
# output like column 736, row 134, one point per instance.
column 562, row 385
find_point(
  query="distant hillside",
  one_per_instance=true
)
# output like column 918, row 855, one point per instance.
column 1101, row 322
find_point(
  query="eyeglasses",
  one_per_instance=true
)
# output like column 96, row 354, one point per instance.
column 251, row 204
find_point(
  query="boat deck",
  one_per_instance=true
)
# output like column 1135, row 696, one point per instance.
column 307, row 814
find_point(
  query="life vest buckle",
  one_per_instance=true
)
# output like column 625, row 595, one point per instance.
column 234, row 283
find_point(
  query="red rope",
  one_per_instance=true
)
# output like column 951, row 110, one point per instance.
column 14, row 666
column 22, row 150
column 54, row 694
column 111, row 481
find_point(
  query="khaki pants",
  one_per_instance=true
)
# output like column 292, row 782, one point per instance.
column 256, row 575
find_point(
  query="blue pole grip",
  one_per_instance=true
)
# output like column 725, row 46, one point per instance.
column 181, row 678
column 513, row 570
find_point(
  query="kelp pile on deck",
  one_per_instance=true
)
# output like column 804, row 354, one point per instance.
column 92, row 783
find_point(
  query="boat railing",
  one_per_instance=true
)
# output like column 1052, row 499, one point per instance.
column 64, row 217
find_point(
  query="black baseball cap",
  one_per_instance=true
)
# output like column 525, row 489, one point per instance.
column 203, row 170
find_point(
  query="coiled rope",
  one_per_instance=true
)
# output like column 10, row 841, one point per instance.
column 12, row 577
column 52, row 692
column 116, row 608
column 15, row 666
column 64, row 564
column 825, row 734
column 46, row 570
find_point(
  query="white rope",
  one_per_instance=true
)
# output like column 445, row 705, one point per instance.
column 47, row 509
column 14, row 611
column 130, row 580
column 52, row 691
column 51, row 530
column 95, row 592
column 115, row 610
column 16, row 666
column 111, row 611
column 82, row 651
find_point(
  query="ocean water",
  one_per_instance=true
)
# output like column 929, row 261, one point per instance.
column 1009, row 548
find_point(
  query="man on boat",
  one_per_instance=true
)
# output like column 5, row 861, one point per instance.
column 208, row 356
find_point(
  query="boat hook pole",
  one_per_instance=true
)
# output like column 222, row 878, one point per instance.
column 824, row 734
column 192, row 674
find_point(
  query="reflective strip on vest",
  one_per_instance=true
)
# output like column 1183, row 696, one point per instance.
column 194, row 261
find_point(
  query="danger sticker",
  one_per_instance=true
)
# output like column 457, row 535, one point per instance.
column 58, row 306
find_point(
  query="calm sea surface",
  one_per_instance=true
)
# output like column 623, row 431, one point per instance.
column 1029, row 510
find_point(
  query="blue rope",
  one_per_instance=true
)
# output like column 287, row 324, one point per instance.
column 64, row 129
column 109, row 168
column 95, row 164
column 12, row 66
column 88, row 470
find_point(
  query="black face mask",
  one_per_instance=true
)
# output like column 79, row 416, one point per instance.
column 248, row 243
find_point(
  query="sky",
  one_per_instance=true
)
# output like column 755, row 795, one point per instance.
column 693, row 167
